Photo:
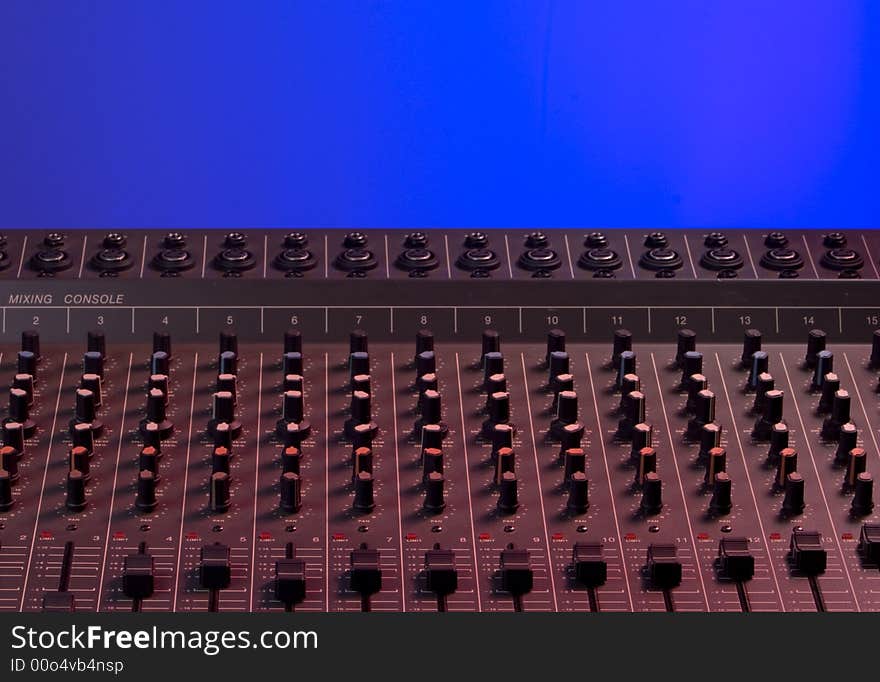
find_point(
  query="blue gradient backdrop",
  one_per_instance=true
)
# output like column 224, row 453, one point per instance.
column 439, row 113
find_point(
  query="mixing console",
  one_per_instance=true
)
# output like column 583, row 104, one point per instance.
column 457, row 421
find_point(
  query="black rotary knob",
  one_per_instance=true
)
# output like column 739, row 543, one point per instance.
column 84, row 411
column 364, row 501
column 752, row 339
column 840, row 415
column 793, row 503
column 160, row 362
column 76, row 491
column 566, row 412
column 13, row 436
column 848, row 439
column 26, row 383
column 433, row 435
column 575, row 460
column 432, row 461
column 499, row 411
column 647, row 464
column 830, row 386
column 704, row 413
column 293, row 341
column 156, row 414
column 358, row 363
column 96, row 342
column 570, row 437
column 508, row 494
column 162, row 343
column 642, row 437
column 766, row 383
column 816, row 340
column 223, row 412
column 856, row 466
column 78, row 458
column 555, row 343
column 716, row 462
column 626, row 364
column 721, row 502
column 93, row 363
column 9, row 457
column 490, row 342
column 502, row 437
column 159, row 382
column 824, row 365
column 772, row 414
column 219, row 494
column 558, row 363
column 431, row 413
column 505, row 462
column 292, row 363
column 220, row 459
column 293, row 415
column 360, row 409
column 6, row 498
column 695, row 384
column 424, row 341
column 146, row 492
column 631, row 382
column 786, row 463
column 93, row 383
column 759, row 365
column 228, row 342
column 227, row 362
column 30, row 343
column 27, row 363
column 148, row 460
column 863, row 497
column 691, row 363
column 426, row 363
column 358, row 341
column 82, row 435
column 633, row 413
column 362, row 435
column 19, row 412
column 622, row 342
column 434, row 495
column 710, row 437
column 686, row 342
column 493, row 363
column 291, row 458
column 652, row 494
column 361, row 461
column 291, row 493
column 578, row 494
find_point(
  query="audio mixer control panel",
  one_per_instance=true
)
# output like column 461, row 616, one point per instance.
column 243, row 434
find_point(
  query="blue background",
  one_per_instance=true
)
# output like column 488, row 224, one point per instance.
column 439, row 113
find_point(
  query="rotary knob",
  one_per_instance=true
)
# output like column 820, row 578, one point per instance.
column 291, row 492
column 146, row 492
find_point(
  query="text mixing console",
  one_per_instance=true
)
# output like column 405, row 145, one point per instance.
column 429, row 421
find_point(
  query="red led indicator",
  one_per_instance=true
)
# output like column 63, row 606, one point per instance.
column 484, row 536
column 775, row 536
